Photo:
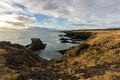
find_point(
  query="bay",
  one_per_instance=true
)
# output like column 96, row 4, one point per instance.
column 50, row 37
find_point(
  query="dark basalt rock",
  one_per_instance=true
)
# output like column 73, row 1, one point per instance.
column 65, row 41
column 62, row 51
column 61, row 35
column 74, row 37
column 78, row 35
column 74, row 42
column 36, row 44
column 64, row 38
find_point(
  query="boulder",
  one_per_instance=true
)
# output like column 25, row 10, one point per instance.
column 61, row 35
column 36, row 44
column 64, row 38
column 74, row 42
column 64, row 41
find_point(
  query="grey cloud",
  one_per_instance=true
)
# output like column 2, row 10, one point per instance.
column 7, row 5
column 74, row 10
column 25, row 19
column 16, row 23
column 50, row 6
column 71, row 8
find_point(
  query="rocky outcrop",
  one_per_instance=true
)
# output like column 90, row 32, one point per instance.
column 36, row 44
column 63, row 40
column 74, row 37
column 78, row 35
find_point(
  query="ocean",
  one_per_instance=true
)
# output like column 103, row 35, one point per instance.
column 50, row 37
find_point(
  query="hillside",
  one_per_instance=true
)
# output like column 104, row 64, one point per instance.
column 97, row 58
column 18, row 63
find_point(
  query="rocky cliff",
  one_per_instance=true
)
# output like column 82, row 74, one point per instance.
column 97, row 58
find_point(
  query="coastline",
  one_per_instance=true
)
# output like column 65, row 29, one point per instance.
column 97, row 58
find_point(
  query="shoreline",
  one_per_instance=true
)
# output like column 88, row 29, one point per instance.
column 97, row 58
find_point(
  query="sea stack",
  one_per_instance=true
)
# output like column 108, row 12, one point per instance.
column 36, row 44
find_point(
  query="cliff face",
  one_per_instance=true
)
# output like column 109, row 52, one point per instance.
column 97, row 58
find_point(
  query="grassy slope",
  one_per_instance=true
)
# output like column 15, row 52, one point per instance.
column 18, row 63
column 98, row 58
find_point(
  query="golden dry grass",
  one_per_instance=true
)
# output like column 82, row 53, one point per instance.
column 98, row 58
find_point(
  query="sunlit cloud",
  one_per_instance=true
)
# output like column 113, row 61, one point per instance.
column 16, row 21
column 75, row 13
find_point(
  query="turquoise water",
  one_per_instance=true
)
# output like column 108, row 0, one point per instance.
column 51, row 38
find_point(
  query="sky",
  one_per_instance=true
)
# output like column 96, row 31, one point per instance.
column 60, row 14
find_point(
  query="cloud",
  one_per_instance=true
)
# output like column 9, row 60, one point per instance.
column 25, row 18
column 16, row 21
column 96, row 12
column 7, row 5
column 73, row 9
column 10, row 15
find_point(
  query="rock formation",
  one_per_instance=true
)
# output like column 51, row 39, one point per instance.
column 36, row 44
column 78, row 35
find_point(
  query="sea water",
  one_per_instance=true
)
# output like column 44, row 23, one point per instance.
column 49, row 37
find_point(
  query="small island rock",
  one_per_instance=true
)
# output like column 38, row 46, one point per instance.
column 36, row 44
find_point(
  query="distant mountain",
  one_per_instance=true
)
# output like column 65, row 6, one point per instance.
column 5, row 28
column 113, row 28
column 41, row 28
column 30, row 28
